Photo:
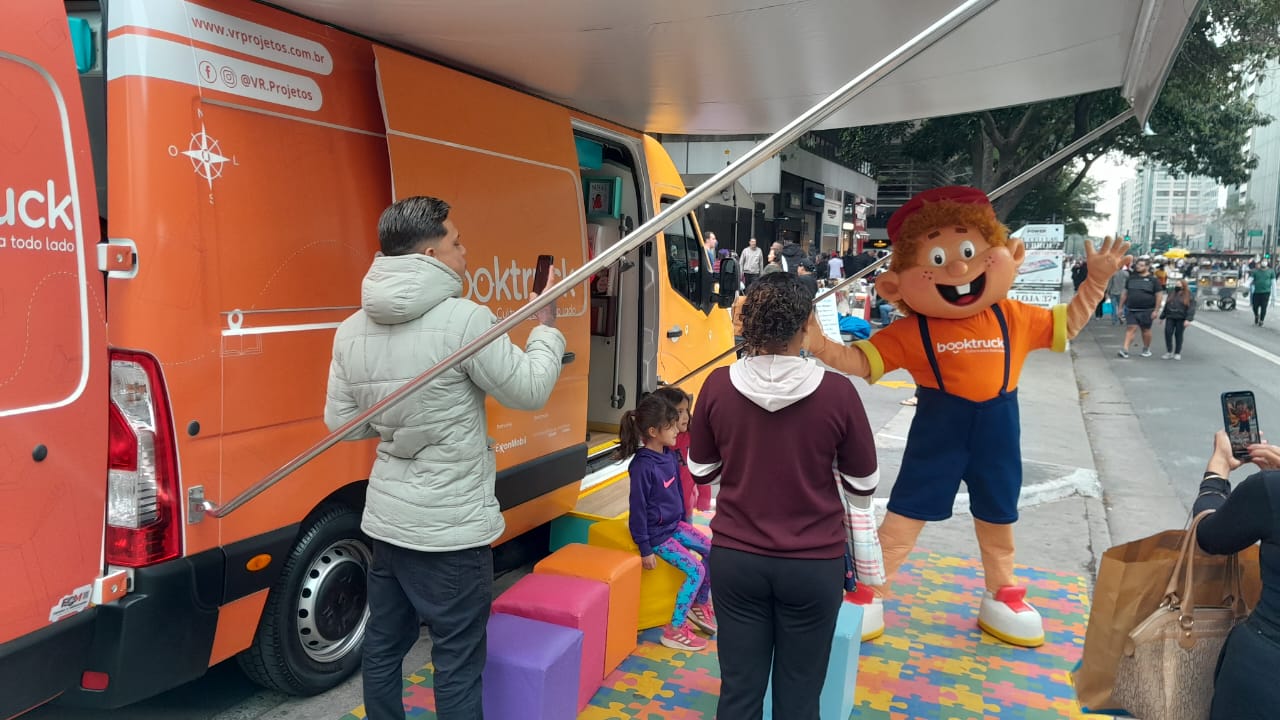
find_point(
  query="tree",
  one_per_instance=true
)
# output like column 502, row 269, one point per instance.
column 1201, row 120
column 1059, row 199
column 1236, row 220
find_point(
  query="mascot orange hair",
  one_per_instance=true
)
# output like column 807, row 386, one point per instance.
column 964, row 343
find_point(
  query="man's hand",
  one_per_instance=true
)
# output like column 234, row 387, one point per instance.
column 547, row 315
column 649, row 562
column 1104, row 262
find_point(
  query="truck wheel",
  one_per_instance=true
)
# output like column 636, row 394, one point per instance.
column 312, row 628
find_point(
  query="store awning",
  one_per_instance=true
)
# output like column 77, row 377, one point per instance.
column 751, row 66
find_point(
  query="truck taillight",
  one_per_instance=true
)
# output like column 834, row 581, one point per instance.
column 144, row 520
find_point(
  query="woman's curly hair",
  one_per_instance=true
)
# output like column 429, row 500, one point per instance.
column 778, row 306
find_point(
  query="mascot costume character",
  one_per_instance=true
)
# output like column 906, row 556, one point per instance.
column 964, row 342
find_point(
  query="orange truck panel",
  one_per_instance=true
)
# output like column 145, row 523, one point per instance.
column 52, row 362
column 518, row 163
column 53, row 369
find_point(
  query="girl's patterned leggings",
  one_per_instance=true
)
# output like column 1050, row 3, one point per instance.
column 679, row 550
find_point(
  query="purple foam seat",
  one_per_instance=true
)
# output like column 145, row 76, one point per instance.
column 532, row 669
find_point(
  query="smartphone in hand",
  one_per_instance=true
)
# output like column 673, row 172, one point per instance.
column 542, row 274
column 1240, row 417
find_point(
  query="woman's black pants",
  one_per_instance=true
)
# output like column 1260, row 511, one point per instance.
column 1173, row 330
column 777, row 615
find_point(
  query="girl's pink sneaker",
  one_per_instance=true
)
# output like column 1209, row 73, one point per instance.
column 680, row 638
column 704, row 616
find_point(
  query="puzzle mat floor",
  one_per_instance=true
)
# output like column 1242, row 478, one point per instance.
column 932, row 662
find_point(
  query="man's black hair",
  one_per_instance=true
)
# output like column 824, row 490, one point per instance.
column 411, row 223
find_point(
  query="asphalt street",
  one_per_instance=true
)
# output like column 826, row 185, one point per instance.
column 1178, row 404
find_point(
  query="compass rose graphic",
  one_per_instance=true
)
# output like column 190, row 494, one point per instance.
column 206, row 156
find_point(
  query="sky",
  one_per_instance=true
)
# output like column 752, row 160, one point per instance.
column 1109, row 172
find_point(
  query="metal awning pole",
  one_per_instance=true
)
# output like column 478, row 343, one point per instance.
column 1065, row 152
column 879, row 263
column 753, row 158
column 1025, row 177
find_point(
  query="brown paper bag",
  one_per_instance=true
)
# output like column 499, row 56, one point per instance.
column 1132, row 579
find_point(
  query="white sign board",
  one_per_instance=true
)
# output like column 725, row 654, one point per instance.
column 1039, row 280
column 829, row 318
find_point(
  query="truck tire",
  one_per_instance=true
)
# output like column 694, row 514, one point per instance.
column 312, row 628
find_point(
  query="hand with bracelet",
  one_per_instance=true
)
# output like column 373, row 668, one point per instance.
column 1223, row 461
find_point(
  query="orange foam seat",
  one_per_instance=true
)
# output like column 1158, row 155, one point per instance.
column 658, row 587
column 621, row 571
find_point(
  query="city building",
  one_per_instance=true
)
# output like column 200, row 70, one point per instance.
column 1164, row 206
column 900, row 179
column 1258, row 230
column 805, row 193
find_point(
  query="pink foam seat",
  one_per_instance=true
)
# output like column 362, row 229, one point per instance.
column 570, row 602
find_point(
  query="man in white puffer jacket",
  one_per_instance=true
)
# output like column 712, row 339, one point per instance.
column 430, row 507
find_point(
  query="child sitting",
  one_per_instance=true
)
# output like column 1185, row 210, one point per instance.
column 648, row 436
column 696, row 497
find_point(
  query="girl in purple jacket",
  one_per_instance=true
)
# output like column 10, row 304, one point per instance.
column 648, row 437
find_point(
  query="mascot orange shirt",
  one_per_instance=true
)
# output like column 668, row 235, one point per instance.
column 964, row 343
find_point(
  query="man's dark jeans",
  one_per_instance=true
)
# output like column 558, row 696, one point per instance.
column 449, row 591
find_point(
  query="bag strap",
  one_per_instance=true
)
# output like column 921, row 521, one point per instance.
column 1171, row 595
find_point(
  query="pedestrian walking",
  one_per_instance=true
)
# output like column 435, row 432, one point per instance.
column 1262, row 279
column 430, row 508
column 835, row 267
column 752, row 263
column 1115, row 290
column 1179, row 311
column 1141, row 300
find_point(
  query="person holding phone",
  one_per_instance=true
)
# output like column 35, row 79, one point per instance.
column 1244, row 683
column 430, row 508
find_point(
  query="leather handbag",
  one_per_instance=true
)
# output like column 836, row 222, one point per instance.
column 1167, row 666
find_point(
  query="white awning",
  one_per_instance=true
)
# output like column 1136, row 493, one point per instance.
column 751, row 66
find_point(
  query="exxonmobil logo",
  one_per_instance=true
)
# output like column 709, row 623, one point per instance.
column 35, row 209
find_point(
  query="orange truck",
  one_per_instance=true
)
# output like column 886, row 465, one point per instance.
column 188, row 197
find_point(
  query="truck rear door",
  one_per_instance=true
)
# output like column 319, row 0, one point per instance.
column 53, row 360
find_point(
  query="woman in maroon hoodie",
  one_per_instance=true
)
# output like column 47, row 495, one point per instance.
column 771, row 427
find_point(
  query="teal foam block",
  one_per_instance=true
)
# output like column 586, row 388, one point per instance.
column 841, row 685
column 569, row 529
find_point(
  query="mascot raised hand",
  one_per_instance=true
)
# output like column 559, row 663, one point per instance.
column 964, row 342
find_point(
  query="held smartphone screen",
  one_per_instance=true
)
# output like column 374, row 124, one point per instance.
column 542, row 273
column 1240, row 416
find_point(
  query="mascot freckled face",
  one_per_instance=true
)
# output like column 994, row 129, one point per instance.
column 964, row 342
